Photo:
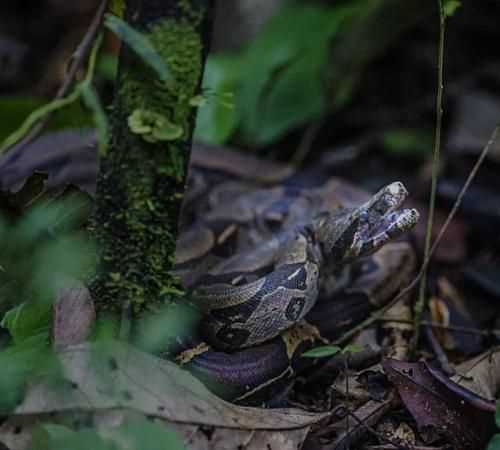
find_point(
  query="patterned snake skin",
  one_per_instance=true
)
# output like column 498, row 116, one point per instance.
column 273, row 264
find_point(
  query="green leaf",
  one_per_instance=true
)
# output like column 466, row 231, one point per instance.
column 497, row 414
column 352, row 348
column 282, row 81
column 142, row 434
column 217, row 118
column 59, row 437
column 28, row 320
column 141, row 45
column 156, row 331
column 20, row 364
column 321, row 352
column 494, row 444
column 117, row 7
column 450, row 6
column 296, row 97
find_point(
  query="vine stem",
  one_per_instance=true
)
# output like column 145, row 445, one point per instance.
column 421, row 302
column 74, row 65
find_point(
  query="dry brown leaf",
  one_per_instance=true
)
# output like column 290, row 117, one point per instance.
column 481, row 374
column 74, row 315
column 348, row 431
column 109, row 381
column 114, row 375
column 439, row 405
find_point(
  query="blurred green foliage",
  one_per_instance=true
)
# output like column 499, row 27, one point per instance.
column 22, row 363
column 156, row 332
column 305, row 63
column 137, row 434
column 450, row 6
column 83, row 90
column 60, row 437
column 280, row 80
column 408, row 142
column 41, row 249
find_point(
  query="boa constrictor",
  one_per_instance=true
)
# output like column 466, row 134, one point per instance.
column 264, row 250
column 256, row 259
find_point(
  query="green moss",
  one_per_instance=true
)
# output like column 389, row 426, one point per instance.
column 143, row 176
column 180, row 47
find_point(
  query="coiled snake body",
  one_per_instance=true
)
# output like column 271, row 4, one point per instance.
column 256, row 260
column 276, row 266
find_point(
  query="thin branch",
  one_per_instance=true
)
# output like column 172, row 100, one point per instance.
column 439, row 351
column 76, row 62
column 441, row 326
column 421, row 302
column 377, row 315
column 306, row 142
column 375, row 433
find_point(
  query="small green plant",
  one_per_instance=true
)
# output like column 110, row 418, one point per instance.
column 330, row 350
column 83, row 90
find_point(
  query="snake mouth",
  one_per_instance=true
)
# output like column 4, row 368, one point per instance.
column 380, row 220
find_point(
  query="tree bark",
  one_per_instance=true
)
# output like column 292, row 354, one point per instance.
column 142, row 176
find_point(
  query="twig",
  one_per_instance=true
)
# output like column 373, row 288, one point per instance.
column 306, row 142
column 421, row 302
column 379, row 313
column 375, row 433
column 427, row 323
column 76, row 62
column 439, row 351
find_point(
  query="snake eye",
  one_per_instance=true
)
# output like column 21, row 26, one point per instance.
column 364, row 216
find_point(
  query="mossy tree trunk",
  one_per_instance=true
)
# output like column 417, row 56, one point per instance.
column 143, row 174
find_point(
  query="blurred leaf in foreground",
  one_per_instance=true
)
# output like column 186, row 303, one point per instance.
column 217, row 117
column 283, row 79
column 59, row 437
column 21, row 364
column 279, row 80
column 450, row 6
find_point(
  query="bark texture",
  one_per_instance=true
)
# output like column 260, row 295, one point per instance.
column 142, row 177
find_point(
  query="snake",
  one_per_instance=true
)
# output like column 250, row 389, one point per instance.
column 277, row 265
column 277, row 260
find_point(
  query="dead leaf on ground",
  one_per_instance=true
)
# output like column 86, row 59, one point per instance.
column 17, row 432
column 74, row 315
column 481, row 374
column 350, row 430
column 113, row 376
column 442, row 407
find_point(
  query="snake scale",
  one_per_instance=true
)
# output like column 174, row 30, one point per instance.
column 277, row 260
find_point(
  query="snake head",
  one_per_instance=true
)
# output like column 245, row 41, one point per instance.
column 352, row 233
